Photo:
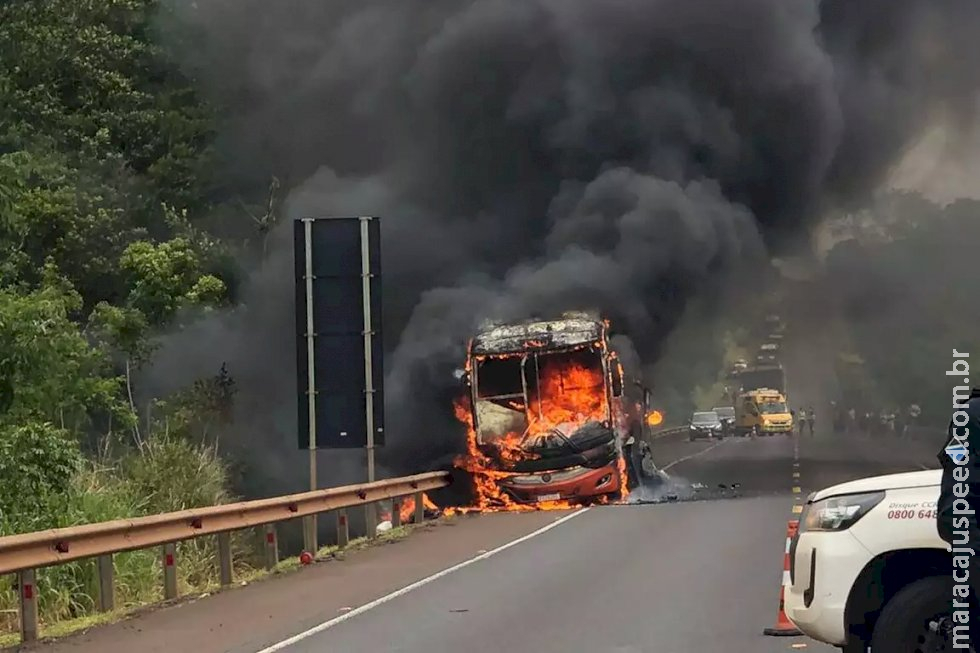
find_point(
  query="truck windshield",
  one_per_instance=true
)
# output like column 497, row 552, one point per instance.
column 501, row 408
column 519, row 394
column 773, row 407
column 567, row 386
column 500, row 377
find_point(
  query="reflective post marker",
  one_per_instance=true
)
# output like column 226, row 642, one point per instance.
column 169, row 571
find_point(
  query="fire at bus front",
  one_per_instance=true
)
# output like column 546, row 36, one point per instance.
column 546, row 416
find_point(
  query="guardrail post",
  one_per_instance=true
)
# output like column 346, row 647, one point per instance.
column 27, row 588
column 343, row 532
column 310, row 535
column 419, row 508
column 224, row 558
column 271, row 547
column 371, row 519
column 107, row 593
column 396, row 512
column 169, row 571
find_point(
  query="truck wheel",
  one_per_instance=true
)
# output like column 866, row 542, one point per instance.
column 903, row 626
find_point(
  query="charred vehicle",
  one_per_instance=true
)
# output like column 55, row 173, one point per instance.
column 552, row 417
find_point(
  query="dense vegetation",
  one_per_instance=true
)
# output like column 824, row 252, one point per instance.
column 106, row 153
column 907, row 291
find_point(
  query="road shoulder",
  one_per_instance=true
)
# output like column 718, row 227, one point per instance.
column 247, row 619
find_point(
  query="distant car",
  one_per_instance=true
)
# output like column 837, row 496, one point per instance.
column 772, row 318
column 775, row 336
column 765, row 358
column 727, row 416
column 705, row 425
column 769, row 346
column 740, row 363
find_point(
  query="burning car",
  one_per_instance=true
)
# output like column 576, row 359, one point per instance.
column 551, row 419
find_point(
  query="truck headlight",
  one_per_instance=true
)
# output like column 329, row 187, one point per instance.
column 839, row 513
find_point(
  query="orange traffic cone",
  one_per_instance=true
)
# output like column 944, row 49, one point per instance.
column 784, row 627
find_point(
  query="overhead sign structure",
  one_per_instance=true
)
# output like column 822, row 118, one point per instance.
column 338, row 329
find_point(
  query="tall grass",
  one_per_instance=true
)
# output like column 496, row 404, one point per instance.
column 168, row 474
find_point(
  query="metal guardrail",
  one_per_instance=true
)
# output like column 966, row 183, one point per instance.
column 25, row 553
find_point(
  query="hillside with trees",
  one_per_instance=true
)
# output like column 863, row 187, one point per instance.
column 106, row 181
column 905, row 287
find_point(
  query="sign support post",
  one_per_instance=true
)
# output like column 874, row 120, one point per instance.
column 371, row 516
column 340, row 375
column 310, row 525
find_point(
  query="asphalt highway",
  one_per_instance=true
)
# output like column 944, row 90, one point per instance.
column 698, row 574
column 687, row 577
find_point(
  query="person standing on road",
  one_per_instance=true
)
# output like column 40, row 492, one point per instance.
column 961, row 449
column 914, row 412
column 802, row 418
column 810, row 416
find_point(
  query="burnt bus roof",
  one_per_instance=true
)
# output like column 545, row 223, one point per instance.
column 544, row 334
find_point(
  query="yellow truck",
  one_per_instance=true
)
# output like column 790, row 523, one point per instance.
column 762, row 411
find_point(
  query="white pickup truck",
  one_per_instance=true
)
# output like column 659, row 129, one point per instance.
column 868, row 568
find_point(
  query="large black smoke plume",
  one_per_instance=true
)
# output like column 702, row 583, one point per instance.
column 533, row 156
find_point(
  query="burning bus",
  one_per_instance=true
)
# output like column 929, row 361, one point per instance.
column 552, row 420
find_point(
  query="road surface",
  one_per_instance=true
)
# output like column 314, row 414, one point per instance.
column 695, row 576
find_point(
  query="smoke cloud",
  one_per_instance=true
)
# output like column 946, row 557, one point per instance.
column 534, row 156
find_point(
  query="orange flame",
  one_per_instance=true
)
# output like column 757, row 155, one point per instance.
column 407, row 510
column 655, row 418
column 568, row 393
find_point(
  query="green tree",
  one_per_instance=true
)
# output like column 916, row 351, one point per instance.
column 167, row 276
column 99, row 133
column 48, row 370
column 38, row 463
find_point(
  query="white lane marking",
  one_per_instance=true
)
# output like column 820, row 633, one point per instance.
column 694, row 455
column 414, row 586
